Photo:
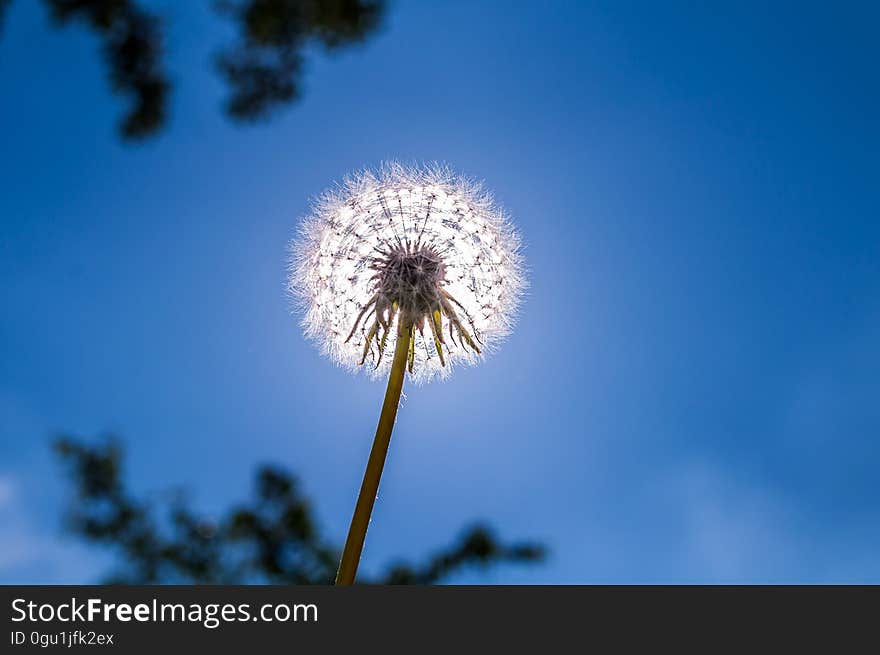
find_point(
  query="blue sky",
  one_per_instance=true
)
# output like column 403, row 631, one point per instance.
column 691, row 394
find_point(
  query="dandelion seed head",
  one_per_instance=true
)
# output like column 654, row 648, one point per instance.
column 407, row 246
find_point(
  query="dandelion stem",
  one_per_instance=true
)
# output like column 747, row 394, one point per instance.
column 357, row 532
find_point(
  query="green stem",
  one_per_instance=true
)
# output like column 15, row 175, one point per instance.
column 357, row 532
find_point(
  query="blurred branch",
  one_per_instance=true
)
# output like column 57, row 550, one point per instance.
column 271, row 539
column 263, row 69
column 4, row 4
column 477, row 547
column 132, row 48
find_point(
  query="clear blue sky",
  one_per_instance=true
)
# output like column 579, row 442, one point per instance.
column 692, row 393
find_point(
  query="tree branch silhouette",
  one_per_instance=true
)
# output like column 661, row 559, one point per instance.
column 272, row 538
column 132, row 47
column 3, row 5
column 262, row 68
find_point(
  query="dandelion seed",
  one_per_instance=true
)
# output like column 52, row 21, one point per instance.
column 418, row 262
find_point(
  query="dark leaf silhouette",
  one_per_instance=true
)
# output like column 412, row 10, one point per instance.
column 3, row 5
column 264, row 67
column 271, row 539
column 132, row 47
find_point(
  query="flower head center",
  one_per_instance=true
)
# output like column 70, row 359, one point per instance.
column 412, row 277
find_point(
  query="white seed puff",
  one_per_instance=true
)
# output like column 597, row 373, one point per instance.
column 417, row 248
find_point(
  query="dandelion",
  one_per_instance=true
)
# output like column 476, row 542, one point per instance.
column 404, row 270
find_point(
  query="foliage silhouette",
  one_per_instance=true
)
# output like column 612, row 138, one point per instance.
column 271, row 539
column 263, row 69
column 3, row 5
column 132, row 47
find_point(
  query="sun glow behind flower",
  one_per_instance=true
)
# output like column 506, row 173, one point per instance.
column 421, row 245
